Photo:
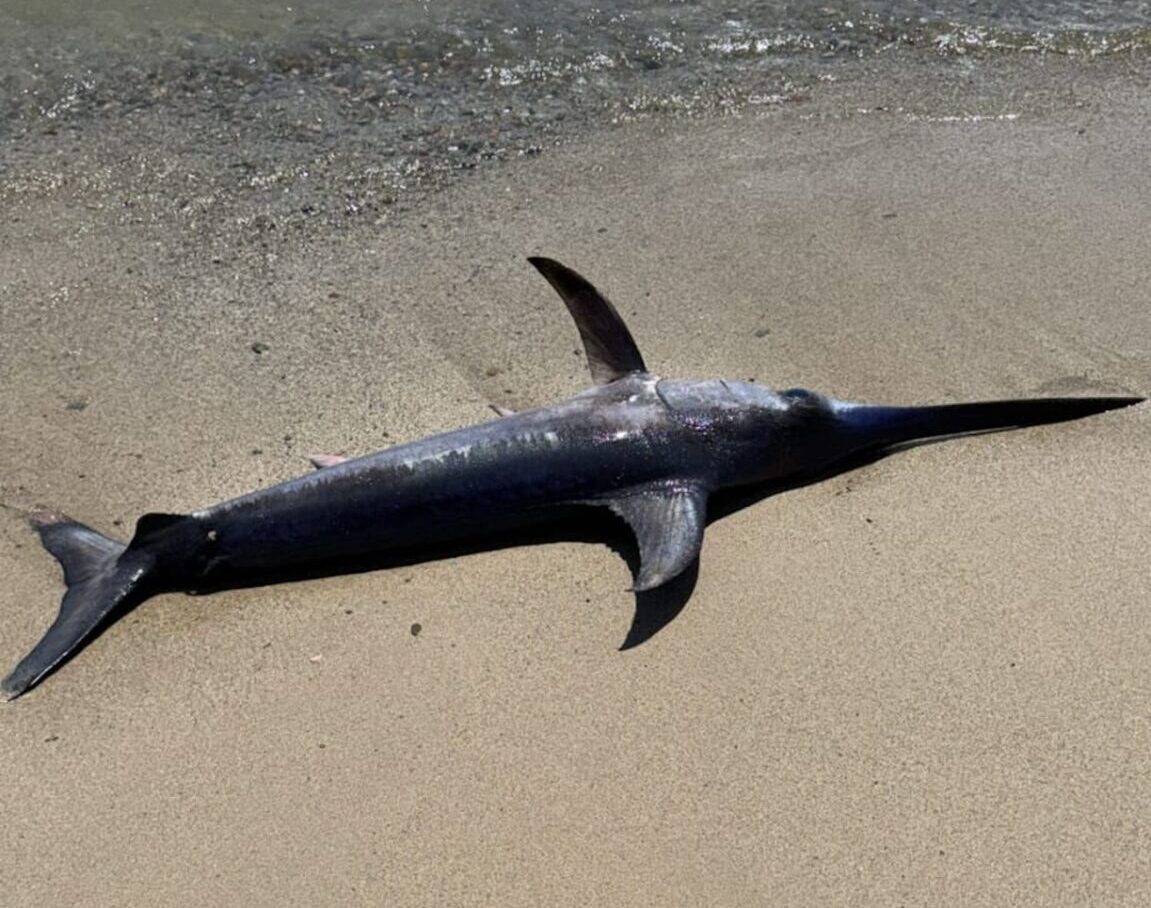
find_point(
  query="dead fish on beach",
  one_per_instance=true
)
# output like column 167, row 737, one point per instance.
column 650, row 449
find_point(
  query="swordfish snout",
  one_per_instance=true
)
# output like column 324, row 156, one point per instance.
column 650, row 449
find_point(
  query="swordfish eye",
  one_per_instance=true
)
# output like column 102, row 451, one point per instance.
column 801, row 399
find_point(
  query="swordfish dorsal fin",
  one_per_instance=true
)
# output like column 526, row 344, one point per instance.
column 611, row 351
column 667, row 519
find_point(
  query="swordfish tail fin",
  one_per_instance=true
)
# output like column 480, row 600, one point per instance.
column 885, row 426
column 101, row 574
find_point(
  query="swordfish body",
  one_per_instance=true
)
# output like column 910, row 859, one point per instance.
column 651, row 449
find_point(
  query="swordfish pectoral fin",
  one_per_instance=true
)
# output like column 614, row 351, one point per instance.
column 611, row 350
column 668, row 521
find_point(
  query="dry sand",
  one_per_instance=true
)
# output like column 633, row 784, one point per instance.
column 926, row 682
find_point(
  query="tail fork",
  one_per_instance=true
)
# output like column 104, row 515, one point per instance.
column 101, row 574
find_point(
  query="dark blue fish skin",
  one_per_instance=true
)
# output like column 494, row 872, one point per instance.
column 598, row 443
column 652, row 450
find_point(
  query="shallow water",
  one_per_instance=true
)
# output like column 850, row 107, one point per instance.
column 390, row 100
column 467, row 59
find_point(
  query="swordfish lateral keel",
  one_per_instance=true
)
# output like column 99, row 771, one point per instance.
column 651, row 449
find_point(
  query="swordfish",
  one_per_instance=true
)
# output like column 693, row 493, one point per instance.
column 651, row 449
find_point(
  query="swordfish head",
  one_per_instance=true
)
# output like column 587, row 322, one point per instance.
column 757, row 434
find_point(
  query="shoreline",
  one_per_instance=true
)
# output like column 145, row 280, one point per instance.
column 913, row 682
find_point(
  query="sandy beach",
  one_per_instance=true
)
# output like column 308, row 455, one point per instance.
column 924, row 682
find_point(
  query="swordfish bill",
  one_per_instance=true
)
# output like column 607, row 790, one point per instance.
column 650, row 449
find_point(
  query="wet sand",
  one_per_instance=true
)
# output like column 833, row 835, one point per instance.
column 923, row 682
